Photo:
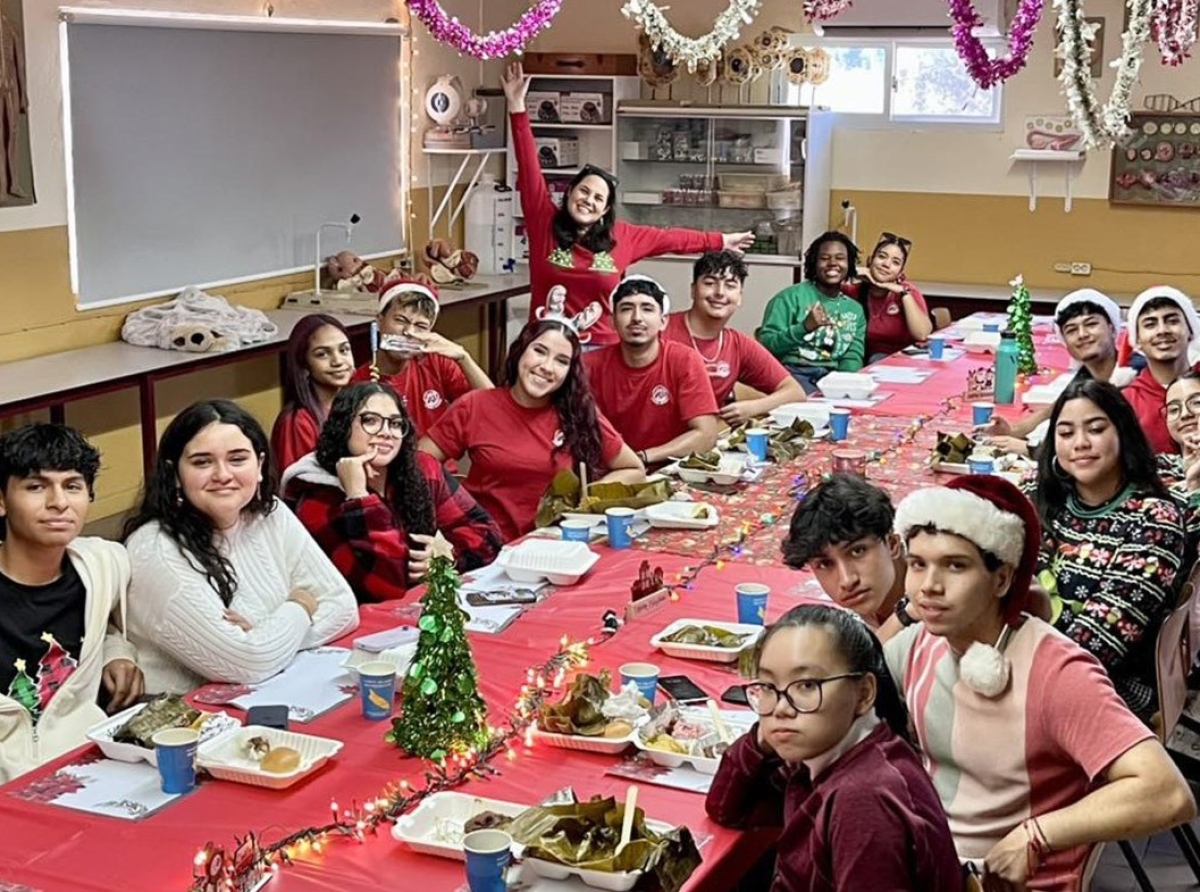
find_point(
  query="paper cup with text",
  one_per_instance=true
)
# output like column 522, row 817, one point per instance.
column 752, row 603
column 377, row 689
column 488, row 854
column 175, row 750
column 644, row 675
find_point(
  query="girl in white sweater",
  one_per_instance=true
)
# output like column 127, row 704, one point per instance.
column 227, row 585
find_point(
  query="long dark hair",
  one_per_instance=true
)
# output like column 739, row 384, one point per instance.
column 1137, row 462
column 814, row 248
column 860, row 649
column 163, row 499
column 573, row 400
column 408, row 492
column 597, row 237
column 298, row 390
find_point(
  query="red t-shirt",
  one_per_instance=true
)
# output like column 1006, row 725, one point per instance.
column 1148, row 397
column 294, row 436
column 512, row 452
column 652, row 405
column 729, row 359
column 887, row 330
column 427, row 384
column 586, row 276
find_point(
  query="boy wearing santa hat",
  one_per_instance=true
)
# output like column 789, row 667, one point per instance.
column 1032, row 752
column 1162, row 325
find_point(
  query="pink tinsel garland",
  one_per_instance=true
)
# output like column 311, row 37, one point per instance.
column 989, row 72
column 496, row 44
column 824, row 10
column 1174, row 25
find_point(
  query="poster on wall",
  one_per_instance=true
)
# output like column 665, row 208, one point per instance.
column 1159, row 164
column 16, row 162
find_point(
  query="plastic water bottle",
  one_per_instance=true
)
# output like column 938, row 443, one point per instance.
column 1006, row 368
column 489, row 226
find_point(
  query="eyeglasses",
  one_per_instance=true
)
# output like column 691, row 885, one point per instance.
column 890, row 238
column 1173, row 410
column 805, row 695
column 372, row 423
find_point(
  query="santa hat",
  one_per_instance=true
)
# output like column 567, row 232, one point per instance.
column 992, row 513
column 407, row 286
column 654, row 290
column 1089, row 296
column 1173, row 294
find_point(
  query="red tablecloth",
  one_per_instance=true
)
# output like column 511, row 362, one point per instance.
column 54, row 849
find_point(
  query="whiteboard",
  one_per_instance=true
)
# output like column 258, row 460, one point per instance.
column 205, row 156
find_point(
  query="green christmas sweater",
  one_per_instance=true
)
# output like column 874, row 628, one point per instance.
column 838, row 346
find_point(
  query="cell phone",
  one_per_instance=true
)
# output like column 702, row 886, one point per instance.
column 735, row 694
column 268, row 717
column 681, row 689
column 501, row 597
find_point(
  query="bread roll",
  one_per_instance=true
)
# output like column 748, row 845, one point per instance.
column 617, row 728
column 281, row 760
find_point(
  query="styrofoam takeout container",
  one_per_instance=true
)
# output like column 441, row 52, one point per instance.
column 847, row 385
column 226, row 759
column 562, row 563
column 705, row 652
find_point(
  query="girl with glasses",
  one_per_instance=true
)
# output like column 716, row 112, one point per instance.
column 897, row 316
column 830, row 761
column 1112, row 537
column 1182, row 412
column 227, row 585
column 579, row 243
column 373, row 502
column 319, row 363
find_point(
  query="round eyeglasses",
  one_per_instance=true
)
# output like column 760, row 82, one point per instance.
column 805, row 695
column 1173, row 410
column 372, row 423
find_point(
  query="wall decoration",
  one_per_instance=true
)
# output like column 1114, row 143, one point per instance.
column 16, row 160
column 984, row 70
column 649, row 18
column 1096, row 65
column 495, row 44
column 824, row 10
column 1159, row 164
column 1056, row 133
column 1175, row 25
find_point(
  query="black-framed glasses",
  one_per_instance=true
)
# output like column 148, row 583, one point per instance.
column 372, row 423
column 890, row 238
column 1173, row 410
column 804, row 695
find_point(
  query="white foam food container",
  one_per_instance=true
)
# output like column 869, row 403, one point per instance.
column 435, row 827
column 401, row 657
column 847, row 386
column 597, row 879
column 815, row 414
column 981, row 341
column 682, row 516
column 226, row 758
column 703, row 764
column 562, row 563
column 731, row 469
column 606, row 746
column 704, row 652
column 102, row 733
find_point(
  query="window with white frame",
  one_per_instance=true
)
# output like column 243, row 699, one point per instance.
column 901, row 82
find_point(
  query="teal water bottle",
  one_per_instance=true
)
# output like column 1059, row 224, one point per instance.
column 1006, row 368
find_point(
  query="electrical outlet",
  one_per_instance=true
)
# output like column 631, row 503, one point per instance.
column 1062, row 267
column 1079, row 268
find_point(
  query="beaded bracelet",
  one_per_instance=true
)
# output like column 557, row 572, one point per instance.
column 1038, row 848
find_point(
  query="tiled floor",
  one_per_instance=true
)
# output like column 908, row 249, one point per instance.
column 1163, row 861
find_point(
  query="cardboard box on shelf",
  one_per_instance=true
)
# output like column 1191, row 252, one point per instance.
column 557, row 151
column 582, row 108
column 544, row 108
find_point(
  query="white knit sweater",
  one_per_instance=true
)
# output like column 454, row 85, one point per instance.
column 176, row 618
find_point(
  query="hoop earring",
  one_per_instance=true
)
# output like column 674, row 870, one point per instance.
column 1057, row 470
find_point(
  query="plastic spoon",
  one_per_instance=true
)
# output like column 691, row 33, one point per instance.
column 630, row 810
column 719, row 722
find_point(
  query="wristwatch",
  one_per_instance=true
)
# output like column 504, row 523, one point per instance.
column 902, row 614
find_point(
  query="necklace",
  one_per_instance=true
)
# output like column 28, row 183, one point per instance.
column 720, row 343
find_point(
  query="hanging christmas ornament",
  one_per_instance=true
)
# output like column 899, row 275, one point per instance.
column 495, row 44
column 824, row 10
column 1173, row 24
column 739, row 66
column 796, row 66
column 706, row 73
column 654, row 66
column 649, row 17
column 819, row 66
column 1101, row 125
column 985, row 71
column 769, row 47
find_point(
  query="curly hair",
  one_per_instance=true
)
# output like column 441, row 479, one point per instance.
column 164, row 501
column 33, row 448
column 1137, row 462
column 720, row 263
column 410, row 494
column 810, row 256
column 842, row 509
column 597, row 237
column 573, row 400
column 298, row 390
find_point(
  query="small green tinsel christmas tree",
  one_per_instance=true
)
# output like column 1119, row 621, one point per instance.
column 1020, row 322
column 442, row 712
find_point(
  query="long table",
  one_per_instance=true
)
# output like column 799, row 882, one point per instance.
column 49, row 848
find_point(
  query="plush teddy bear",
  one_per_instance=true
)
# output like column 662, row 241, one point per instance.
column 346, row 271
column 448, row 264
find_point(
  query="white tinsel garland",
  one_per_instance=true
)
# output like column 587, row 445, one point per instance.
column 1102, row 126
column 689, row 51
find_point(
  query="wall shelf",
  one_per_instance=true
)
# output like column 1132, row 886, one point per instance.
column 1036, row 157
column 467, row 155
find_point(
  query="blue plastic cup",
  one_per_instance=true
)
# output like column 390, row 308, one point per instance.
column 752, row 603
column 991, row 326
column 756, row 442
column 981, row 413
column 839, row 424
column 619, row 520
column 175, row 752
column 981, row 465
column 644, row 675
column 488, row 854
column 377, row 689
column 576, row 530
column 937, row 346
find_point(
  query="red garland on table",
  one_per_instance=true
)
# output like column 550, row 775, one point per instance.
column 215, row 869
column 988, row 72
column 1173, row 23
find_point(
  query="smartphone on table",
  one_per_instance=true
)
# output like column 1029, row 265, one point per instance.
column 681, row 689
column 735, row 694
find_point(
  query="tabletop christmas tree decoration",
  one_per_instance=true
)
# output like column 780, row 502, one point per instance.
column 1020, row 322
column 442, row 713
